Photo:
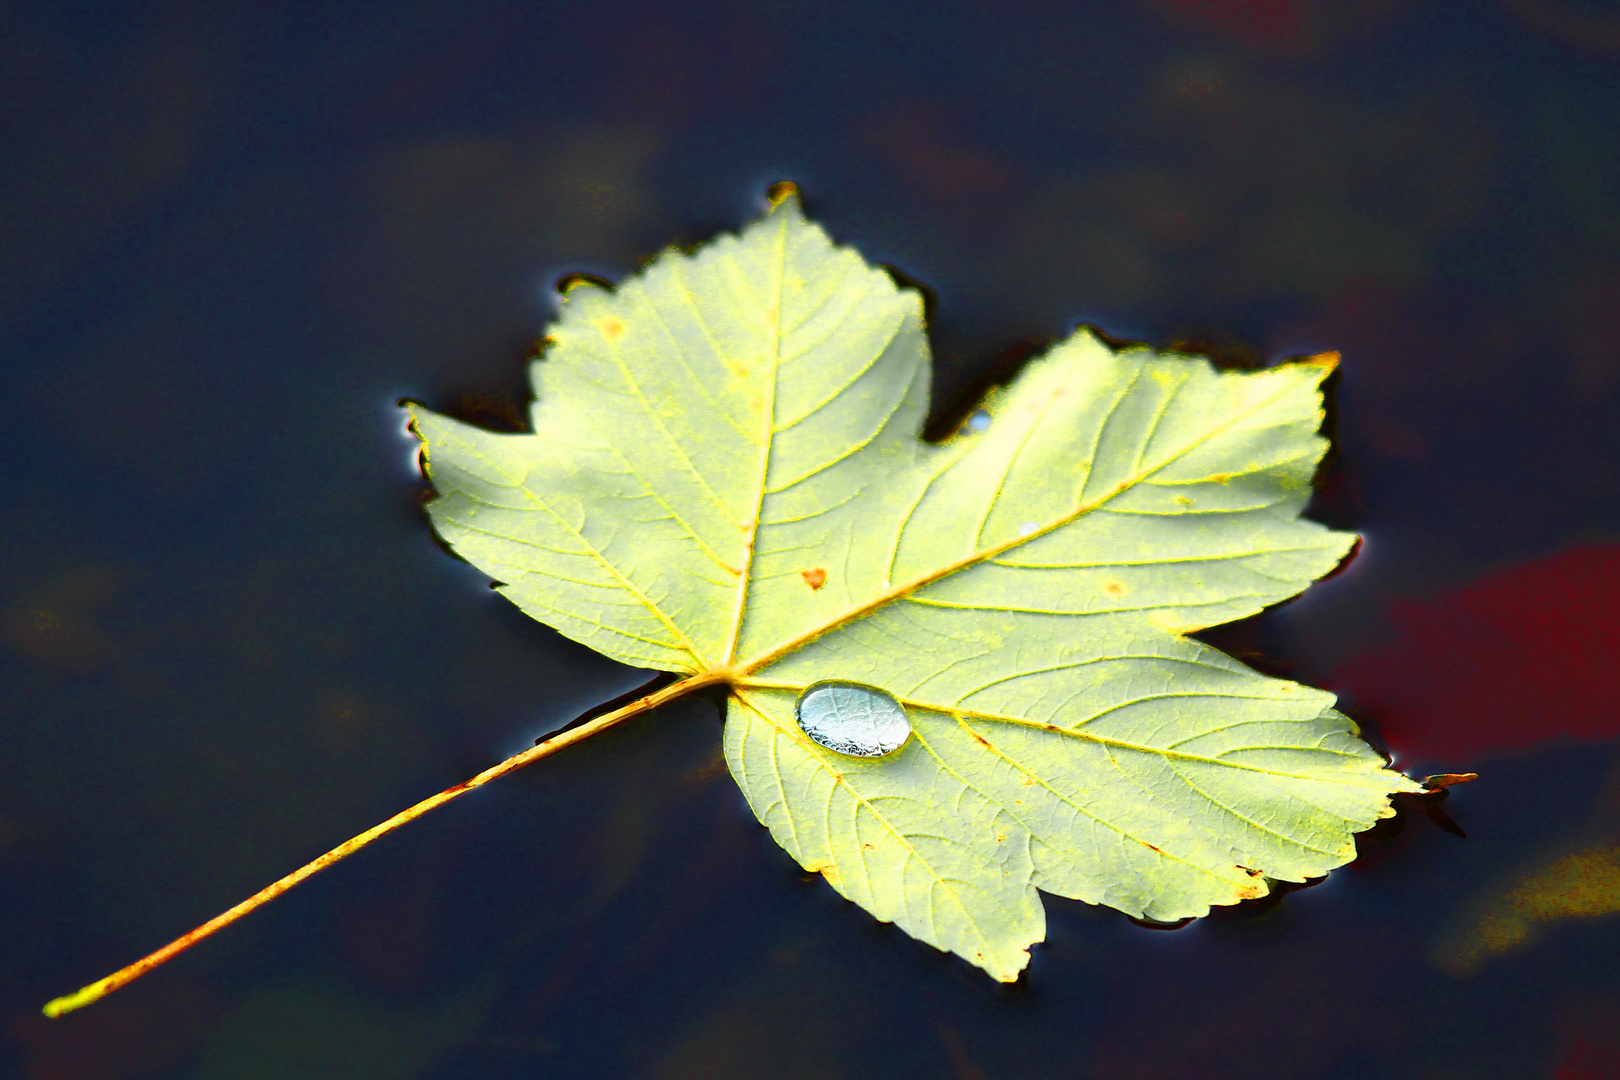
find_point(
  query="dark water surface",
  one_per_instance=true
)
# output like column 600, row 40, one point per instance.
column 232, row 235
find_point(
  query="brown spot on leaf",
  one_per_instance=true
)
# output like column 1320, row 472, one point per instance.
column 815, row 577
column 1114, row 588
column 612, row 329
column 826, row 869
column 1256, row 886
column 1221, row 477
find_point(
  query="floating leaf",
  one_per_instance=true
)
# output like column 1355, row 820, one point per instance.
column 956, row 673
column 726, row 480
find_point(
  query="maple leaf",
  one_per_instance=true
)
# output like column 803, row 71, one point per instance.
column 726, row 480
column 956, row 674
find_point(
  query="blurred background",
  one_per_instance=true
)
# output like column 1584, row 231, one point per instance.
column 233, row 235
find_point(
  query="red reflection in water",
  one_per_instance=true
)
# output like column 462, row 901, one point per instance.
column 918, row 139
column 1273, row 23
column 1590, row 1061
column 1516, row 657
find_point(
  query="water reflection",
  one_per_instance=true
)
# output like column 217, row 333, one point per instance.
column 1583, row 884
column 1517, row 657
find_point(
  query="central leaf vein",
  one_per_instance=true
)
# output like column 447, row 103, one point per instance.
column 767, row 413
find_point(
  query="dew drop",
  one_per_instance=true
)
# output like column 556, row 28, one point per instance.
column 853, row 718
column 979, row 421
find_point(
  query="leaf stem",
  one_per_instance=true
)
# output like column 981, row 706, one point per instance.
column 101, row 988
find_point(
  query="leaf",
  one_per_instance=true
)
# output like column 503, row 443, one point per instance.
column 726, row 480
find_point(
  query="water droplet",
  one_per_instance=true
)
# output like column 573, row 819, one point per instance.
column 1028, row 527
column 979, row 421
column 852, row 718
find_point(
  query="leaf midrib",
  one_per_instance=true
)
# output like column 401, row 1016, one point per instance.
column 768, row 415
column 958, row 712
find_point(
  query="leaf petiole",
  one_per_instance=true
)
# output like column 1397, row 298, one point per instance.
column 102, row 987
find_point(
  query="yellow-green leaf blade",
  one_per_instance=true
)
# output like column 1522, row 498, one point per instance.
column 726, row 477
column 691, row 437
column 1150, row 773
column 1145, row 483
column 887, row 834
column 545, row 516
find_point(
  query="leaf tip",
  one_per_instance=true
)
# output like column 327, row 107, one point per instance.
column 569, row 282
column 827, row 869
column 1007, row 973
column 413, row 417
column 1327, row 361
column 780, row 192
column 1441, row 781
